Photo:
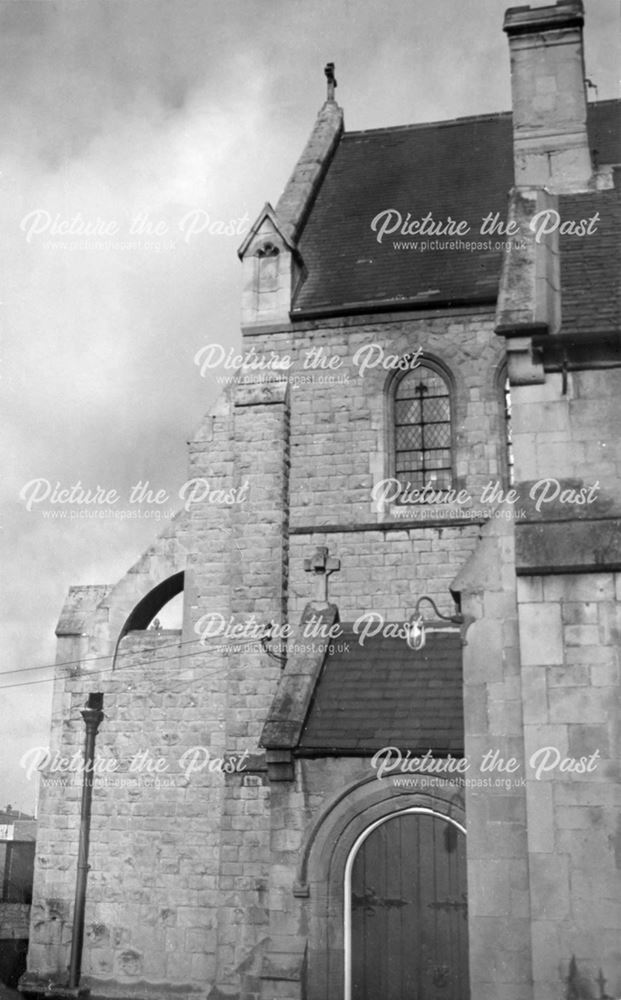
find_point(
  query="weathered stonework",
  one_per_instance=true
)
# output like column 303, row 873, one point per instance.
column 549, row 96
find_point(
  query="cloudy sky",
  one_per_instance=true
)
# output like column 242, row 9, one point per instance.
column 185, row 115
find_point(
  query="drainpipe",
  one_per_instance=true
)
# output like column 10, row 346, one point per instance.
column 92, row 715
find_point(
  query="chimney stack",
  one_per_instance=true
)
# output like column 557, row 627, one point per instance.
column 551, row 147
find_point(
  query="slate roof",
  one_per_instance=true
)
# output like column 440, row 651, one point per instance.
column 384, row 694
column 461, row 168
column 591, row 264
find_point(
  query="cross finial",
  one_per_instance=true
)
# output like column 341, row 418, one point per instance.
column 330, row 77
column 321, row 565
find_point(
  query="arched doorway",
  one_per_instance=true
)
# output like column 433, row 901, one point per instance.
column 406, row 926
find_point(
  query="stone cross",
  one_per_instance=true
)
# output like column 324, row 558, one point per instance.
column 321, row 565
column 330, row 77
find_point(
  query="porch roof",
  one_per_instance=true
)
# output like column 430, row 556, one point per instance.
column 382, row 693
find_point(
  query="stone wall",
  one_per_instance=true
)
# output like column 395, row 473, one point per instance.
column 571, row 434
column 339, row 419
column 498, row 873
column 200, row 885
column 340, row 450
column 192, row 878
column 569, row 615
column 384, row 571
column 570, row 627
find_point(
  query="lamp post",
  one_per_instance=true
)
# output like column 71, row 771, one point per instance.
column 92, row 715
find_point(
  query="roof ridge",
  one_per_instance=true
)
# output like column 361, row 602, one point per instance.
column 492, row 115
column 467, row 119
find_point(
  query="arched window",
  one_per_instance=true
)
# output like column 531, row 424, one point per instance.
column 422, row 436
column 506, row 461
column 508, row 433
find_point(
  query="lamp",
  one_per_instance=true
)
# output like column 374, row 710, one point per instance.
column 416, row 637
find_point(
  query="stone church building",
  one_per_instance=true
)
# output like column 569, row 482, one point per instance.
column 380, row 761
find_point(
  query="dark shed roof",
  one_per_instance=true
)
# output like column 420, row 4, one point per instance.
column 384, row 694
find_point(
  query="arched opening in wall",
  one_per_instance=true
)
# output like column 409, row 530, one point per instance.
column 508, row 432
column 164, row 603
column 503, row 387
column 405, row 915
column 171, row 615
column 420, row 425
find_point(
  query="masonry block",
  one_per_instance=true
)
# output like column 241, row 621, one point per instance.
column 550, row 896
column 541, row 638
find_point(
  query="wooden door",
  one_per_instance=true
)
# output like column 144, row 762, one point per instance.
column 409, row 927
